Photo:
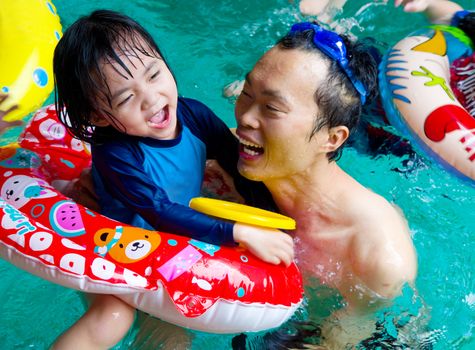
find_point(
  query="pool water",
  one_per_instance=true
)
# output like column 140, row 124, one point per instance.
column 210, row 44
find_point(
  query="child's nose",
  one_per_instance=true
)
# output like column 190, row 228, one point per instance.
column 149, row 99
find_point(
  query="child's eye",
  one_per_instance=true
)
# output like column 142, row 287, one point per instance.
column 154, row 75
column 124, row 101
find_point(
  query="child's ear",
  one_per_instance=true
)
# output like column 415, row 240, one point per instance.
column 336, row 137
column 98, row 120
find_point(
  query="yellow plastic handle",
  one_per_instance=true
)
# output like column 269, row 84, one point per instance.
column 241, row 213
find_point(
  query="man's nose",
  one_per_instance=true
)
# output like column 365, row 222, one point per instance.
column 249, row 118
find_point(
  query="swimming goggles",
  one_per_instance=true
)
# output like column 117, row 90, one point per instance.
column 332, row 45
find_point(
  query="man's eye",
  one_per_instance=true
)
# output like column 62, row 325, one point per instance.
column 154, row 75
column 272, row 108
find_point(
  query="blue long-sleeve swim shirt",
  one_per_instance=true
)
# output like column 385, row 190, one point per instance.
column 148, row 183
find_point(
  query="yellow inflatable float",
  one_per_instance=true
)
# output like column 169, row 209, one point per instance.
column 29, row 32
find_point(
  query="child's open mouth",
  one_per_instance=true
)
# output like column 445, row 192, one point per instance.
column 161, row 119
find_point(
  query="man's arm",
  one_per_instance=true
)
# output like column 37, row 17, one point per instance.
column 383, row 256
column 382, row 261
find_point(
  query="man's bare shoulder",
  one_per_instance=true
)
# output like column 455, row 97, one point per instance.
column 371, row 212
column 382, row 252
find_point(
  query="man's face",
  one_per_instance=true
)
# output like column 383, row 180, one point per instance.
column 276, row 113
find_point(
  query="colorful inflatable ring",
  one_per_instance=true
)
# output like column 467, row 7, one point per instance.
column 183, row 281
column 242, row 213
column 415, row 88
column 29, row 32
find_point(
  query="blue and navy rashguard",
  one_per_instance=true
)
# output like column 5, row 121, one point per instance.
column 148, row 183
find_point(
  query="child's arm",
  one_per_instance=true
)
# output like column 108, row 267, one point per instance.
column 120, row 169
column 437, row 11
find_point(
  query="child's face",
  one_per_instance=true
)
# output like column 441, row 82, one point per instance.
column 143, row 104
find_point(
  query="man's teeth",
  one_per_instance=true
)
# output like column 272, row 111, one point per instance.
column 250, row 151
column 248, row 144
column 251, row 148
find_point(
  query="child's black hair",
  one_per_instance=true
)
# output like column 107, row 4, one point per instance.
column 102, row 36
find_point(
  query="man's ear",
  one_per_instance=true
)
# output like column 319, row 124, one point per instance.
column 336, row 137
column 99, row 120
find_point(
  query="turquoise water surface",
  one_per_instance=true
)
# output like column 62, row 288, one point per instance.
column 212, row 43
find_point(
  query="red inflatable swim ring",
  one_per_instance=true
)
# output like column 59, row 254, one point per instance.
column 183, row 281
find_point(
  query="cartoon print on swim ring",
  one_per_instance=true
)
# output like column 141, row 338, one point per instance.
column 63, row 155
column 18, row 158
column 18, row 190
column 417, row 97
column 66, row 219
column 126, row 244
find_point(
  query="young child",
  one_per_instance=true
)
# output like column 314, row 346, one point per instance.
column 149, row 148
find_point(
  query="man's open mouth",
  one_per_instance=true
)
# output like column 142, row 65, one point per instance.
column 250, row 148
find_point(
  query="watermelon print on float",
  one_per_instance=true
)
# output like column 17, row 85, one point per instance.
column 66, row 220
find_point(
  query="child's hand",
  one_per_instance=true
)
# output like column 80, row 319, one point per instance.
column 4, row 124
column 271, row 245
column 414, row 5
